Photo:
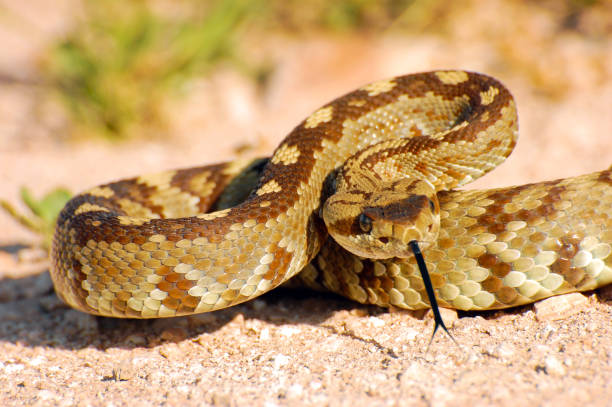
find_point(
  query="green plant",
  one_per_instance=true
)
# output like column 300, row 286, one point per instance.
column 115, row 69
column 44, row 212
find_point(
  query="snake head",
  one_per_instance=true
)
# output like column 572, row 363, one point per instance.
column 380, row 224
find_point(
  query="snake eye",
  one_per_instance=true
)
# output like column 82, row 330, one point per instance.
column 432, row 205
column 365, row 223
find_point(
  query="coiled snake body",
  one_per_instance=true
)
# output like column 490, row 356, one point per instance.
column 146, row 247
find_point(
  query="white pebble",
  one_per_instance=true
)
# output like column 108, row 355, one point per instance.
column 554, row 366
column 280, row 360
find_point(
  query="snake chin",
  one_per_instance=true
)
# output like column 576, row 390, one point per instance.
column 391, row 239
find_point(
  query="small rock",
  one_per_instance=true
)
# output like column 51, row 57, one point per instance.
column 560, row 307
column 238, row 319
column 294, row 391
column 315, row 385
column 449, row 316
column 13, row 368
column 264, row 335
column 280, row 360
column 554, row 366
column 504, row 351
column 173, row 334
column 358, row 312
column 170, row 351
column 45, row 395
column 289, row 331
column 37, row 361
column 376, row 322
column 413, row 373
column 408, row 335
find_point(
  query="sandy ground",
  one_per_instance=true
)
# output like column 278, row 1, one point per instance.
column 300, row 348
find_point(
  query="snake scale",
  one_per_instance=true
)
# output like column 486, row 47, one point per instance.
column 200, row 239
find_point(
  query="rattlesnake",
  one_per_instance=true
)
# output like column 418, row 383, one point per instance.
column 148, row 247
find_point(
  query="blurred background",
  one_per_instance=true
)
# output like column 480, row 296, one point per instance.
column 96, row 90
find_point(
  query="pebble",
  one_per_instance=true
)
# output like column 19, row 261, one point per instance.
column 289, row 331
column 264, row 335
column 504, row 351
column 294, row 391
column 45, row 395
column 358, row 312
column 414, row 372
column 554, row 366
column 174, row 334
column 13, row 368
column 315, row 385
column 376, row 322
column 37, row 361
column 280, row 360
column 170, row 351
column 560, row 307
column 449, row 316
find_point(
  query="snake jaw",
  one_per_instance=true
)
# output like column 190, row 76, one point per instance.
column 390, row 238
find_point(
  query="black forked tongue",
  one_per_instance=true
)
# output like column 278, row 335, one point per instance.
column 439, row 322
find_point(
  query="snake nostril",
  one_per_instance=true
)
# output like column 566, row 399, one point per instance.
column 384, row 240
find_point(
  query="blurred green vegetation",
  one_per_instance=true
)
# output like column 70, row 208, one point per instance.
column 335, row 16
column 43, row 212
column 114, row 69
column 123, row 59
